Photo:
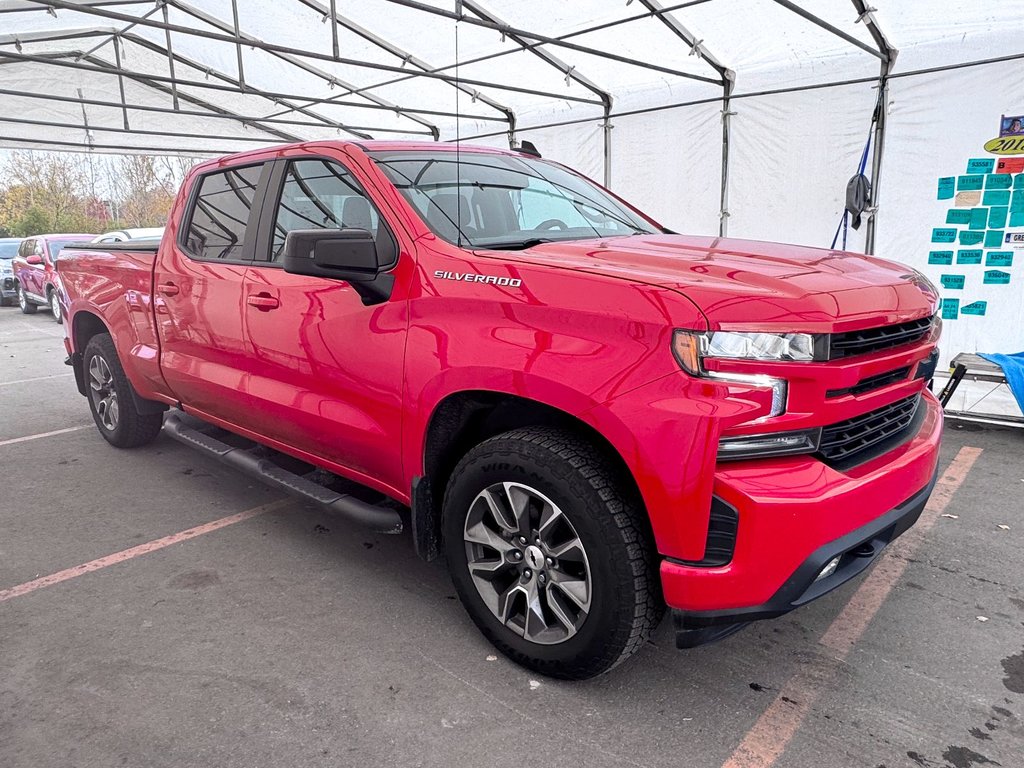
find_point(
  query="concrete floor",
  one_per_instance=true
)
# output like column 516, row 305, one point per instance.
column 293, row 639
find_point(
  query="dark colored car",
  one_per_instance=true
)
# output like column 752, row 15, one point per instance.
column 8, row 250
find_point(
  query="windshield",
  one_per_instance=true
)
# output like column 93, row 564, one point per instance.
column 54, row 246
column 505, row 201
column 9, row 248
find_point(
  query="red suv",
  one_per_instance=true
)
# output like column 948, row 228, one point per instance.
column 35, row 278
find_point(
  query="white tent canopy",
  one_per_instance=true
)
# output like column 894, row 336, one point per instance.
column 740, row 117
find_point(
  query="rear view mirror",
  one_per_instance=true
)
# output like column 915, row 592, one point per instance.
column 35, row 259
column 341, row 254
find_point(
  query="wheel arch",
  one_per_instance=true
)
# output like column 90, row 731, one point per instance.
column 84, row 325
column 466, row 418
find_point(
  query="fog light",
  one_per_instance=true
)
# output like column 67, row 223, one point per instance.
column 771, row 444
column 829, row 569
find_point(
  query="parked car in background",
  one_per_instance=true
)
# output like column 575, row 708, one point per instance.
column 124, row 235
column 35, row 278
column 8, row 250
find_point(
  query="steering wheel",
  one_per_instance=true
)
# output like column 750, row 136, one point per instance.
column 552, row 223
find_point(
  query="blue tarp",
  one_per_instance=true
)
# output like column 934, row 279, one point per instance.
column 1013, row 369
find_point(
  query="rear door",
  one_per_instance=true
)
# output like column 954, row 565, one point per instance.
column 197, row 285
column 327, row 370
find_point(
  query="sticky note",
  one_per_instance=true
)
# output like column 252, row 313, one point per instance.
column 958, row 216
column 1017, row 218
column 970, row 238
column 996, row 277
column 981, row 165
column 967, row 183
column 996, row 197
column 952, row 282
column 941, row 257
column 974, row 308
column 967, row 199
column 979, row 218
column 947, row 185
column 946, row 235
column 1018, row 180
column 1017, row 200
column 1010, row 165
column 998, row 181
column 972, row 256
column 949, row 308
column 997, row 216
column 993, row 238
column 999, row 259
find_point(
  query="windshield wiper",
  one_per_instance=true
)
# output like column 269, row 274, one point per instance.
column 516, row 245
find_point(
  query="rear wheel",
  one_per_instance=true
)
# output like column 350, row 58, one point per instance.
column 55, row 309
column 111, row 398
column 27, row 307
column 549, row 551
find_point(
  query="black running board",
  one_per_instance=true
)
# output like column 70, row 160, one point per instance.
column 252, row 461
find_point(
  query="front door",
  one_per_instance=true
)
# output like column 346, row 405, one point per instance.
column 327, row 370
column 198, row 283
column 32, row 276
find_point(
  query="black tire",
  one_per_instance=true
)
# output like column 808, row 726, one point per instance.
column 610, row 523
column 53, row 304
column 128, row 428
column 27, row 307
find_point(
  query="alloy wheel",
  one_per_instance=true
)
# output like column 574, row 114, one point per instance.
column 22, row 300
column 55, row 306
column 102, row 392
column 527, row 563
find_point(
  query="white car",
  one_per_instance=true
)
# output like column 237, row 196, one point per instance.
column 121, row 235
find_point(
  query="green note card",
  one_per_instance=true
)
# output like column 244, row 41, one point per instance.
column 999, row 259
column 947, row 186
column 952, row 282
column 970, row 238
column 972, row 256
column 940, row 235
column 1018, row 181
column 967, row 183
column 996, row 277
column 996, row 197
column 979, row 218
column 949, row 308
column 974, row 308
column 993, row 238
column 942, row 257
column 1017, row 218
column 1017, row 200
column 981, row 165
column 958, row 216
column 997, row 216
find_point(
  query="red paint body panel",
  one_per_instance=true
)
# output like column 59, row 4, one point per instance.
column 301, row 364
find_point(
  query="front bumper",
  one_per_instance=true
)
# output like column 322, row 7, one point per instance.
column 794, row 515
column 8, row 288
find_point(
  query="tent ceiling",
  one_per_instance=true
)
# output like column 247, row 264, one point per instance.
column 209, row 76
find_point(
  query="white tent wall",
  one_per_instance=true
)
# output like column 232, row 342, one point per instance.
column 937, row 122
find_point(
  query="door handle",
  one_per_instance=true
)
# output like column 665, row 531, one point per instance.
column 168, row 289
column 263, row 301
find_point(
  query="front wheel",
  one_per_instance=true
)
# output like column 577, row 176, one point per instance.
column 550, row 552
column 27, row 307
column 110, row 398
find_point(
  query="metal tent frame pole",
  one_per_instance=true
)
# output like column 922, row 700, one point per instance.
column 889, row 54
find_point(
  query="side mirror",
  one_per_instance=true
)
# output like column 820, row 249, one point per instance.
column 340, row 254
column 35, row 259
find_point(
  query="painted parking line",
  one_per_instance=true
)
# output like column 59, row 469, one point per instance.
column 141, row 549
column 36, row 378
column 26, row 438
column 777, row 725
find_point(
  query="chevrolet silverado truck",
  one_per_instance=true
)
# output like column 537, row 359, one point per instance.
column 590, row 417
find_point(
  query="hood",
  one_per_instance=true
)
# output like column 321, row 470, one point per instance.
column 755, row 285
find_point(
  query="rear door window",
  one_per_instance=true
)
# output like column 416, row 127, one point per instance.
column 218, row 228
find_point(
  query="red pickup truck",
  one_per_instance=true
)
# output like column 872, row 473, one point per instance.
column 591, row 417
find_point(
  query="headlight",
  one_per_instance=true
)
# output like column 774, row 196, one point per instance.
column 691, row 348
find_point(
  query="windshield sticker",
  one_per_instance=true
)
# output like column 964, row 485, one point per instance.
column 471, row 277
